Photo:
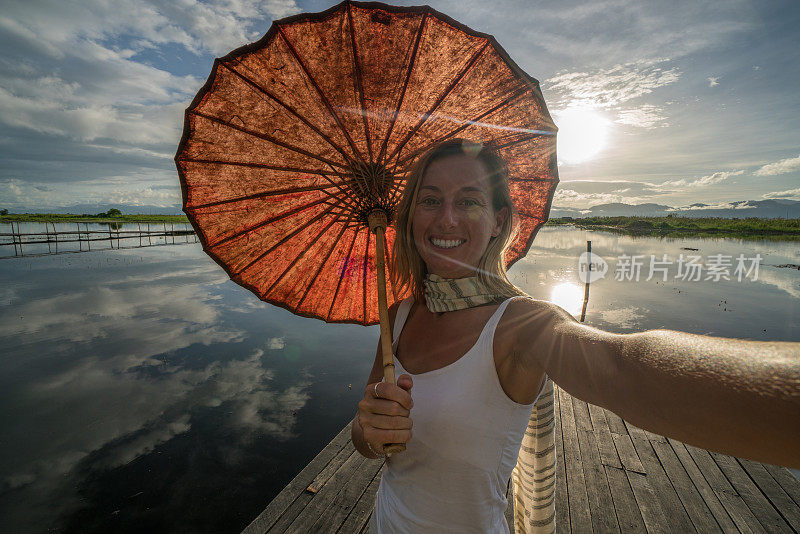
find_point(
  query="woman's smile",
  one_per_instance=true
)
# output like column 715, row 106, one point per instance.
column 447, row 243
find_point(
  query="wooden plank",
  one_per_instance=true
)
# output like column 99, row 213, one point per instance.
column 561, row 499
column 661, row 486
column 347, row 497
column 698, row 511
column 627, row 453
column 297, row 486
column 655, row 437
column 769, row 518
column 655, row 518
column 334, row 465
column 706, row 492
column 741, row 515
column 774, row 492
column 298, row 507
column 601, row 505
column 324, row 497
column 627, row 511
column 579, row 514
column 786, row 479
column 358, row 519
column 608, row 453
column 615, row 423
column 582, row 419
column 635, row 431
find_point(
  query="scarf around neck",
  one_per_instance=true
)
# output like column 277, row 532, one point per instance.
column 451, row 294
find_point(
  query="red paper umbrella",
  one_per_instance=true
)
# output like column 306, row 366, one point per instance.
column 296, row 139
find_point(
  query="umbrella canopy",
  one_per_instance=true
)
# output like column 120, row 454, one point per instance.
column 296, row 138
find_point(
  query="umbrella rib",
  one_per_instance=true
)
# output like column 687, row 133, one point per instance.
column 515, row 94
column 293, row 211
column 279, row 243
column 345, row 199
column 521, row 139
column 337, row 203
column 324, row 98
column 297, row 258
column 263, row 194
column 341, row 275
column 255, row 165
column 453, row 84
column 286, row 106
column 321, row 265
column 358, row 81
column 266, row 137
column 405, row 85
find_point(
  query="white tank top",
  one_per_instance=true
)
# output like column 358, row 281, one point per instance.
column 453, row 475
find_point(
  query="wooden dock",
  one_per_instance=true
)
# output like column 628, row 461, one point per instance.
column 611, row 477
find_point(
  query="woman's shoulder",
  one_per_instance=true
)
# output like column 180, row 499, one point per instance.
column 524, row 312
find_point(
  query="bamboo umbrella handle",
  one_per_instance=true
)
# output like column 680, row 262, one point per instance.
column 377, row 224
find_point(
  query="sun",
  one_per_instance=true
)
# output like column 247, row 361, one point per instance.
column 568, row 296
column 582, row 134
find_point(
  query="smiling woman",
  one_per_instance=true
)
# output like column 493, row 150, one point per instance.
column 582, row 134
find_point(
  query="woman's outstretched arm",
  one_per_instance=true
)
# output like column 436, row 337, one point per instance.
column 728, row 395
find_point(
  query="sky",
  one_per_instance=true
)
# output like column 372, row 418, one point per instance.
column 666, row 102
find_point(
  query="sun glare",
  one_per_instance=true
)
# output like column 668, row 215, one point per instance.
column 568, row 296
column 582, row 134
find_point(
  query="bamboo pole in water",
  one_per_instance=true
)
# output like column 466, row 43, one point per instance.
column 588, row 278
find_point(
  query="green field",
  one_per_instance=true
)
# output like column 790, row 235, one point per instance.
column 750, row 228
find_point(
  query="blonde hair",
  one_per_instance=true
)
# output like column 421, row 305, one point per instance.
column 408, row 269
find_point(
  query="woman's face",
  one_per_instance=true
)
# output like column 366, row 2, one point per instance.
column 454, row 218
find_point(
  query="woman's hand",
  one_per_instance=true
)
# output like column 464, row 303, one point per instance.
column 383, row 413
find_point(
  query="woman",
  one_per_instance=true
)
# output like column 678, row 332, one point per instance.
column 478, row 352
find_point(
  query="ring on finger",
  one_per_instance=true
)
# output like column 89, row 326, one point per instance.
column 375, row 390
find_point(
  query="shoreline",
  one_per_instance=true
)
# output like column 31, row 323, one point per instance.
column 685, row 227
column 72, row 218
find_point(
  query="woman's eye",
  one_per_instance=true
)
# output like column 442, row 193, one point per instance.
column 428, row 201
column 470, row 202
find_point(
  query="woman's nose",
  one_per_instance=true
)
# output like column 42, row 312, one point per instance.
column 448, row 215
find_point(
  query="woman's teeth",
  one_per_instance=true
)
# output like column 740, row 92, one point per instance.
column 446, row 243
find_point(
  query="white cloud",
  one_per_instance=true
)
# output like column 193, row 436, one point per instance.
column 276, row 343
column 646, row 116
column 783, row 166
column 92, row 75
column 608, row 88
column 791, row 194
column 569, row 198
column 703, row 181
column 614, row 87
column 712, row 82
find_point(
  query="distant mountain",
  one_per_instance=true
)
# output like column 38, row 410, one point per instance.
column 763, row 209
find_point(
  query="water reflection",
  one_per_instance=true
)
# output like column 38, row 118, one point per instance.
column 141, row 389
column 568, row 296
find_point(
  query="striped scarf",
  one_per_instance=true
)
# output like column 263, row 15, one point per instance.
column 534, row 476
column 451, row 294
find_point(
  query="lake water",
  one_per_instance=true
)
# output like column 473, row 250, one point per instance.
column 142, row 390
